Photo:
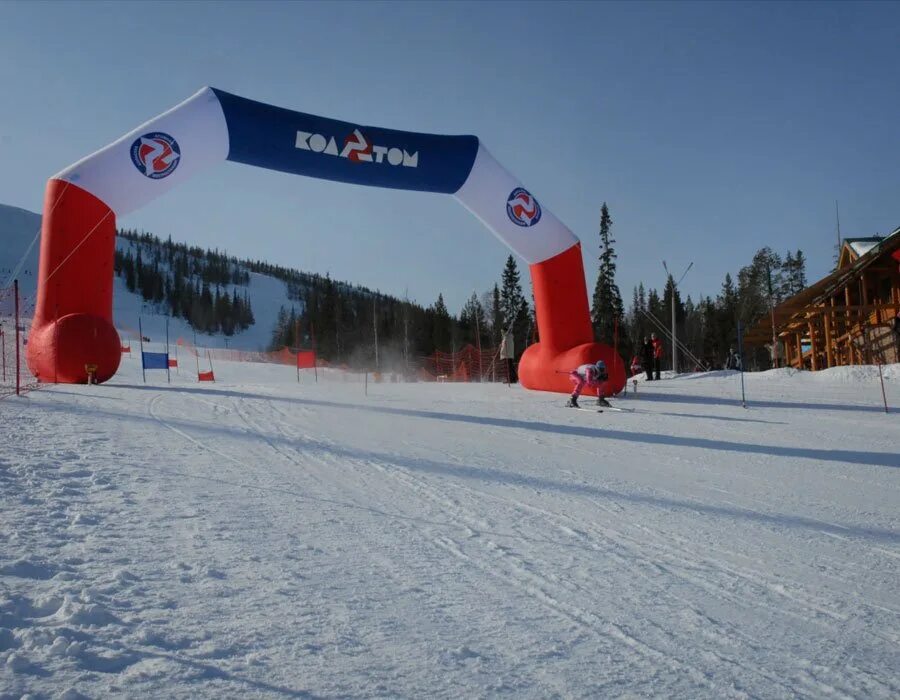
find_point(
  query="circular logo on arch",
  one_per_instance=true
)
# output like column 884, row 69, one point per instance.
column 155, row 154
column 521, row 208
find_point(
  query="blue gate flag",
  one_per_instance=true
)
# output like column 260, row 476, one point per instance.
column 155, row 360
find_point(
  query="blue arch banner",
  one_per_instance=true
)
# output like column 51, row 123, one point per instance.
column 304, row 144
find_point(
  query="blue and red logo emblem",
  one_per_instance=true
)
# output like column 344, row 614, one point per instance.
column 522, row 209
column 155, row 154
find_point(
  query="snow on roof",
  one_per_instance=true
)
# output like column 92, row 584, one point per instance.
column 863, row 245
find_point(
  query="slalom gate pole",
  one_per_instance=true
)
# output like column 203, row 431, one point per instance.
column 18, row 361
column 168, row 371
column 367, row 383
column 312, row 337
column 3, row 348
column 209, row 358
column 883, row 395
column 740, row 330
column 197, row 355
column 141, row 336
column 297, row 345
column 616, row 349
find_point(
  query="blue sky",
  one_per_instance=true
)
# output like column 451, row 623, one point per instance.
column 711, row 129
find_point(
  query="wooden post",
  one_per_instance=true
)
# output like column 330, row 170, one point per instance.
column 829, row 351
column 799, row 349
column 814, row 347
column 847, row 323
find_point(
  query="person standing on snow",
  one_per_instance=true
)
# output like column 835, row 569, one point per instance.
column 647, row 357
column 733, row 360
column 508, row 353
column 657, row 353
column 591, row 376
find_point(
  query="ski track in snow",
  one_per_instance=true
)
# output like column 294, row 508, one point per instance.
column 261, row 538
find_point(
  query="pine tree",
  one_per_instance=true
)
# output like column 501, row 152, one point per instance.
column 279, row 329
column 727, row 317
column 511, row 293
column 472, row 320
column 799, row 272
column 442, row 334
column 788, row 266
column 607, row 309
column 637, row 319
column 513, row 306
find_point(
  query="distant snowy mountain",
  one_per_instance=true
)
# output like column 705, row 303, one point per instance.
column 18, row 229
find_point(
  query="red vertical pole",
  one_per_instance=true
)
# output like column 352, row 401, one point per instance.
column 18, row 361
column 312, row 339
column 3, row 347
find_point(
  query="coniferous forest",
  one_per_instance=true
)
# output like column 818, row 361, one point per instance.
column 707, row 327
column 209, row 289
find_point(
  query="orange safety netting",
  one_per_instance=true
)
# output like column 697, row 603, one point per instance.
column 284, row 356
column 466, row 365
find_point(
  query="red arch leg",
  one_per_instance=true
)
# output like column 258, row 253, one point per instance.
column 73, row 324
column 564, row 326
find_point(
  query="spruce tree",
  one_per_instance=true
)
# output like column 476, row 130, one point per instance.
column 513, row 305
column 788, row 266
column 799, row 276
column 511, row 292
column 472, row 320
column 496, row 316
column 442, row 334
column 607, row 309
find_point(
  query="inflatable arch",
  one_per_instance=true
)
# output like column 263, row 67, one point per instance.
column 73, row 324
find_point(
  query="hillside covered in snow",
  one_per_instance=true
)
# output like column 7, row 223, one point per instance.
column 220, row 301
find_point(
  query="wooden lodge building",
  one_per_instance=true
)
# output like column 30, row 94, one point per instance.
column 845, row 318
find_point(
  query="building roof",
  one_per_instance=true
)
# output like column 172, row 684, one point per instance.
column 861, row 246
column 795, row 306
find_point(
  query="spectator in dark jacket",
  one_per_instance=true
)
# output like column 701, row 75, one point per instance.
column 733, row 360
column 647, row 358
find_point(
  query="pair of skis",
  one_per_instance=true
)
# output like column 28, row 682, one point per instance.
column 601, row 410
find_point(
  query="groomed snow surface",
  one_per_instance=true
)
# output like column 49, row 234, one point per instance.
column 260, row 538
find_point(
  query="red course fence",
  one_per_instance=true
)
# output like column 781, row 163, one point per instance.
column 467, row 365
column 15, row 377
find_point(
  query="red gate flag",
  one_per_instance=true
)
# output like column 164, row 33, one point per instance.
column 306, row 359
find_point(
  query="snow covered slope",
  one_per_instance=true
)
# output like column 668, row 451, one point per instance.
column 263, row 538
column 18, row 228
column 267, row 294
